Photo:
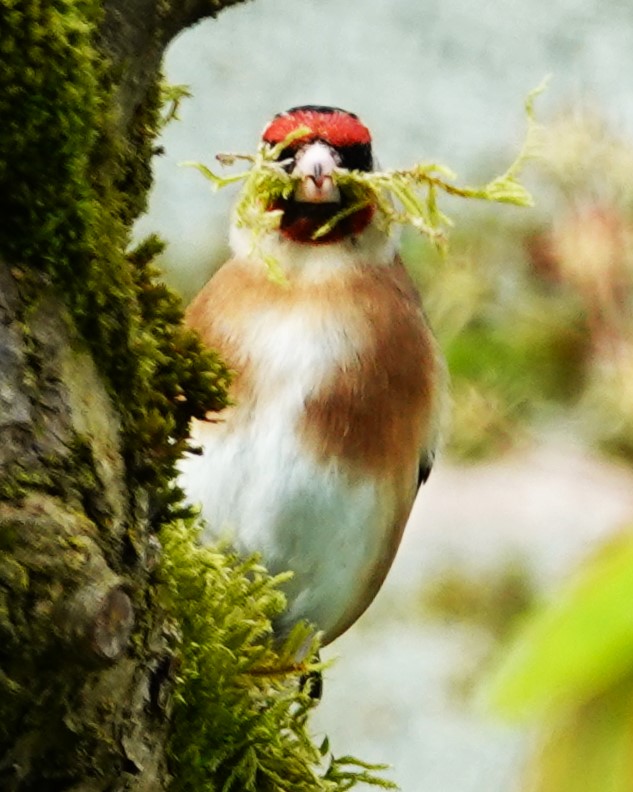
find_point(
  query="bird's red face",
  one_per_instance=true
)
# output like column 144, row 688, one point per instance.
column 334, row 139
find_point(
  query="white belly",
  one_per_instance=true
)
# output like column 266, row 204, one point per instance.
column 258, row 490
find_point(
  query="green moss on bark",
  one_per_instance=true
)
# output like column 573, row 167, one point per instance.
column 75, row 550
column 72, row 184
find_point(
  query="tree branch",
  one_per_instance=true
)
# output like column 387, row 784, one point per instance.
column 134, row 36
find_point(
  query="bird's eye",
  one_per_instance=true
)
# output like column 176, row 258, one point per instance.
column 287, row 159
column 356, row 156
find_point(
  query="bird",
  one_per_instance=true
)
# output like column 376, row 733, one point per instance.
column 337, row 390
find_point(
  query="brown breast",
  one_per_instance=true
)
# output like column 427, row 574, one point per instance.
column 376, row 412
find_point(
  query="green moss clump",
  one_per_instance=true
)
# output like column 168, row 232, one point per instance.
column 240, row 721
column 180, row 378
column 49, row 103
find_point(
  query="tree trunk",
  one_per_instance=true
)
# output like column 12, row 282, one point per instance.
column 97, row 384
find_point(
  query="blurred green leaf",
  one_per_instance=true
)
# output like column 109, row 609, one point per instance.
column 576, row 646
column 589, row 750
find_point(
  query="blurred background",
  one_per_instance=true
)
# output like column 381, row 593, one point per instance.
column 533, row 308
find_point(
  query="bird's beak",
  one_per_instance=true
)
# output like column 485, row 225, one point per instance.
column 314, row 166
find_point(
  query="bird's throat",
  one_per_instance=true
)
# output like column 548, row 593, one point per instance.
column 300, row 221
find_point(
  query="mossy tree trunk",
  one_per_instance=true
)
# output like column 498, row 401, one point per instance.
column 97, row 384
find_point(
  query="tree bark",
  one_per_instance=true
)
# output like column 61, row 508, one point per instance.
column 93, row 411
